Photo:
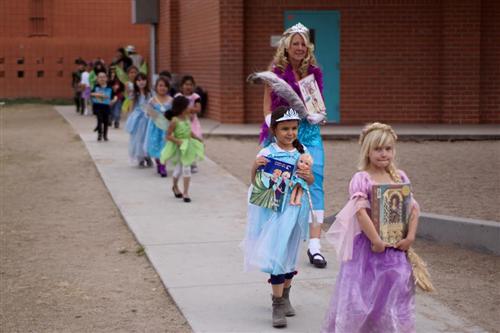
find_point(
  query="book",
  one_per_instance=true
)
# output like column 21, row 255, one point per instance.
column 106, row 91
column 312, row 95
column 390, row 210
column 271, row 186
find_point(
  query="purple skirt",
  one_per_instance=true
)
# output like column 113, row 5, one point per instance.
column 374, row 293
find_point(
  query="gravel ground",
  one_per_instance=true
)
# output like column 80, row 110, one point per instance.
column 68, row 262
column 441, row 173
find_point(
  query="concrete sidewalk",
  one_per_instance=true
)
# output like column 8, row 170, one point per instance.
column 405, row 132
column 194, row 247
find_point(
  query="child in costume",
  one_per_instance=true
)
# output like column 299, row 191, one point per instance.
column 305, row 162
column 272, row 238
column 187, row 90
column 102, row 98
column 183, row 147
column 375, row 287
column 160, row 103
column 137, row 122
column 116, row 109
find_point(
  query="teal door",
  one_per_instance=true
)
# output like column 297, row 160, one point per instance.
column 324, row 27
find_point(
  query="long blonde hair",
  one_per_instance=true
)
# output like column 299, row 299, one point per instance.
column 280, row 59
column 376, row 135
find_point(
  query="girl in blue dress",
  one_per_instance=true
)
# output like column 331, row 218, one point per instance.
column 272, row 238
column 160, row 103
column 137, row 122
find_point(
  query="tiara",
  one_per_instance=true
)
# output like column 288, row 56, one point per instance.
column 290, row 114
column 298, row 28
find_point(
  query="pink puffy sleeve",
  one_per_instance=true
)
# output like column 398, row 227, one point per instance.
column 415, row 207
column 346, row 226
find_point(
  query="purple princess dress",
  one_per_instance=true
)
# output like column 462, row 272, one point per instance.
column 374, row 292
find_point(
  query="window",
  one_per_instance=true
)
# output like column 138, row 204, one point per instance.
column 39, row 74
column 39, row 61
column 20, row 74
column 20, row 61
column 2, row 60
column 38, row 17
column 60, row 73
column 2, row 74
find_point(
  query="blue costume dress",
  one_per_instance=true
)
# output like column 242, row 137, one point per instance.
column 155, row 136
column 272, row 239
column 136, row 126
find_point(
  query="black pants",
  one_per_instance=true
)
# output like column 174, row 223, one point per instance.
column 79, row 102
column 102, row 120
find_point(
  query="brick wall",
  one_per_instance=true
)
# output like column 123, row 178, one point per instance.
column 204, row 38
column 490, row 61
column 71, row 29
column 401, row 61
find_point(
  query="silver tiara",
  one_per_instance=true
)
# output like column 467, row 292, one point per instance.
column 298, row 28
column 290, row 114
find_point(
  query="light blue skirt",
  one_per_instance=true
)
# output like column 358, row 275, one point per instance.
column 155, row 140
column 136, row 126
column 273, row 239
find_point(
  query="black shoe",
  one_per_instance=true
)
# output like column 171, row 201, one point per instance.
column 99, row 138
column 105, row 138
column 317, row 259
column 187, row 199
column 176, row 194
column 148, row 162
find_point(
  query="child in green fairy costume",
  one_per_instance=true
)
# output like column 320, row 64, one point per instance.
column 183, row 147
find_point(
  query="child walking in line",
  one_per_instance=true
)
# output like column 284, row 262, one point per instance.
column 116, row 109
column 160, row 103
column 102, row 99
column 85, row 86
column 375, row 287
column 187, row 90
column 272, row 238
column 137, row 122
column 183, row 147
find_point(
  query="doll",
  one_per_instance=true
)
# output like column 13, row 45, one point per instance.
column 304, row 163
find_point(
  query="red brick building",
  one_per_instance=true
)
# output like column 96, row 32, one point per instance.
column 400, row 61
column 40, row 40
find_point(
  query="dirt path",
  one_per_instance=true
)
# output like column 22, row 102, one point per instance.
column 68, row 261
column 466, row 281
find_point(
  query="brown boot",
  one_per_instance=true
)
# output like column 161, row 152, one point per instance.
column 279, row 319
column 289, row 310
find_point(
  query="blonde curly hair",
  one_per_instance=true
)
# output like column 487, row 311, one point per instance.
column 280, row 59
column 376, row 135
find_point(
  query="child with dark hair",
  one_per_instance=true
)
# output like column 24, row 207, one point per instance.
column 160, row 103
column 183, row 147
column 273, row 238
column 187, row 90
column 102, row 99
column 137, row 122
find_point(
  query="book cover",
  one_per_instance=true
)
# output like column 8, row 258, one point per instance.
column 390, row 211
column 312, row 95
column 272, row 184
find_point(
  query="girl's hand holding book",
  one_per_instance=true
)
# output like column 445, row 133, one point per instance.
column 260, row 161
column 404, row 244
column 379, row 246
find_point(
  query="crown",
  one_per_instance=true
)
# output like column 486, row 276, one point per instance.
column 290, row 114
column 298, row 28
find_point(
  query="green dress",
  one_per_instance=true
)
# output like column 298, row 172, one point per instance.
column 190, row 151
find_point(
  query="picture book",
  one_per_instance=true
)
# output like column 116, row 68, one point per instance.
column 272, row 184
column 106, row 92
column 390, row 210
column 312, row 95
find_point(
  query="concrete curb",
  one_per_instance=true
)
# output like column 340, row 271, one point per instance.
column 479, row 235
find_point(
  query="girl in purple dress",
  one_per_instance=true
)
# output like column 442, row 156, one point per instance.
column 375, row 287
